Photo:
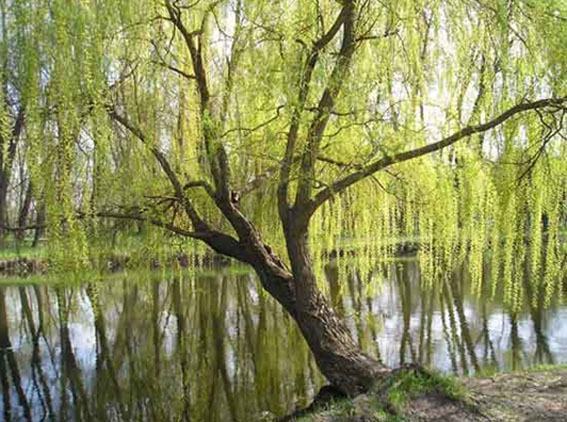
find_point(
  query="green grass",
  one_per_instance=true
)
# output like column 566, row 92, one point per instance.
column 546, row 367
column 491, row 372
column 22, row 251
column 405, row 385
column 340, row 407
column 136, row 273
column 343, row 409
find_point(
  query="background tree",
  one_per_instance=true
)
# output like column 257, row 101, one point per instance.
column 11, row 111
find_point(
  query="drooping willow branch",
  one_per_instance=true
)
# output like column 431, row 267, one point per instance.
column 382, row 163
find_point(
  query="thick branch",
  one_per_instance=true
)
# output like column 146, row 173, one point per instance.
column 219, row 242
column 347, row 181
column 304, row 84
column 326, row 104
column 200, row 184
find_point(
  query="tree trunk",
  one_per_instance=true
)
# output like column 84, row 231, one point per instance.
column 338, row 357
column 24, row 212
column 3, row 207
column 40, row 223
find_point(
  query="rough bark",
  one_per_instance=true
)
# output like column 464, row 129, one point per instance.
column 338, row 357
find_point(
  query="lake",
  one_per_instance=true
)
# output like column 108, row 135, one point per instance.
column 212, row 346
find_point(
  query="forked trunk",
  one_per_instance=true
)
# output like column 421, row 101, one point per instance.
column 338, row 357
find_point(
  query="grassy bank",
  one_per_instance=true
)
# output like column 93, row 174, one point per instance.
column 535, row 394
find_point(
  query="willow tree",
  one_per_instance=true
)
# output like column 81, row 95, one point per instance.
column 275, row 132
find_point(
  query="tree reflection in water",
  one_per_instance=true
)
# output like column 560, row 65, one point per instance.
column 207, row 347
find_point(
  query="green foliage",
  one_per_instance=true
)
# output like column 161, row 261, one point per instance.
column 17, row 251
column 422, row 70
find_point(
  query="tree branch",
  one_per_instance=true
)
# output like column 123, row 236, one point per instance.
column 218, row 241
column 326, row 104
column 180, row 72
column 166, row 167
column 194, row 51
column 200, row 184
column 304, row 85
column 380, row 164
column 216, row 152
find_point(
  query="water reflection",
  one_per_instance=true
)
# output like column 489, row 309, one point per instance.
column 215, row 347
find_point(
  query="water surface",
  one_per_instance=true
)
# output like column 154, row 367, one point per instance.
column 212, row 346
